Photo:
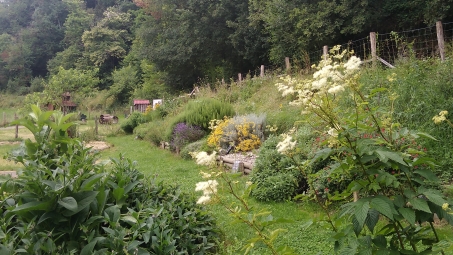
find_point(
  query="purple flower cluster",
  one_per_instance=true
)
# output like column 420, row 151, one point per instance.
column 184, row 134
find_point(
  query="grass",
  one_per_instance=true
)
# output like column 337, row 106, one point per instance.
column 9, row 133
column 6, row 165
column 171, row 169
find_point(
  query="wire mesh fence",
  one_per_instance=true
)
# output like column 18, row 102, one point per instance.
column 419, row 43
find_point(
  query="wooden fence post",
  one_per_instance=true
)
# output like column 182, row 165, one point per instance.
column 325, row 52
column 373, row 47
column 262, row 71
column 440, row 40
column 239, row 77
column 17, row 127
column 288, row 65
column 96, row 125
column 4, row 119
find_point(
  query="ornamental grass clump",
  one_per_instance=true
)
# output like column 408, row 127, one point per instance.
column 391, row 176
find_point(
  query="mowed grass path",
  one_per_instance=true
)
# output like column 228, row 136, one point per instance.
column 172, row 169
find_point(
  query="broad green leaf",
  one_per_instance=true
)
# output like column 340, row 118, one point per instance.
column 372, row 219
column 422, row 134
column 434, row 196
column 88, row 183
column 384, row 156
column 2, row 234
column 361, row 211
column 118, row 194
column 83, row 199
column 130, row 186
column 380, row 241
column 129, row 219
column 112, row 213
column 88, row 249
column 31, row 206
column 382, row 206
column 69, row 203
column 419, row 204
column 427, row 173
column 408, row 214
column 399, row 201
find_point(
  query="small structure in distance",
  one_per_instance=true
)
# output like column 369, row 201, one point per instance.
column 140, row 105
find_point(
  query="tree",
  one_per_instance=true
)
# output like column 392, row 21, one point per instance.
column 152, row 85
column 79, row 83
column 125, row 81
column 107, row 43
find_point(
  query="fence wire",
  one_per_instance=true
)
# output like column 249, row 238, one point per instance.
column 420, row 43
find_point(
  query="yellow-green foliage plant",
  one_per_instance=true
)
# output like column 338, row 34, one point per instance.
column 245, row 133
column 394, row 212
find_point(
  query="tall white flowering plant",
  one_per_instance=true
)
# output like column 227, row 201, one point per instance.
column 259, row 221
column 381, row 159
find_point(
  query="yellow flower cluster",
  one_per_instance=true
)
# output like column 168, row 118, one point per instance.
column 440, row 117
column 149, row 109
column 242, row 136
column 247, row 141
column 217, row 127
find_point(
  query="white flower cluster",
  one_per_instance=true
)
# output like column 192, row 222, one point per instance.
column 204, row 159
column 208, row 187
column 332, row 77
column 287, row 86
column 286, row 145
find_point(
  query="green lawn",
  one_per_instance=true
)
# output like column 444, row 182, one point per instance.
column 6, row 165
column 172, row 169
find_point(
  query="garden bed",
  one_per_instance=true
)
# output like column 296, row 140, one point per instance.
column 242, row 162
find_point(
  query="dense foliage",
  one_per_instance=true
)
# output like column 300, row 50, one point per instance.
column 274, row 179
column 64, row 203
column 379, row 159
column 147, row 48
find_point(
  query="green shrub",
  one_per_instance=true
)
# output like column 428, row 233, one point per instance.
column 271, row 174
column 200, row 112
column 133, row 121
column 423, row 89
column 284, row 120
column 64, row 203
column 153, row 132
column 200, row 145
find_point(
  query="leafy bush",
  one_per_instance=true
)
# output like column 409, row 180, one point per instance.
column 64, row 203
column 200, row 145
column 200, row 112
column 424, row 88
column 184, row 134
column 133, row 121
column 271, row 174
column 153, row 132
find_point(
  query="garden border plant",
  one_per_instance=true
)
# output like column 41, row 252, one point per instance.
column 395, row 212
column 63, row 202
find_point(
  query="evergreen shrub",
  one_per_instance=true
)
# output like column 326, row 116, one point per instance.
column 201, row 111
column 273, row 176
